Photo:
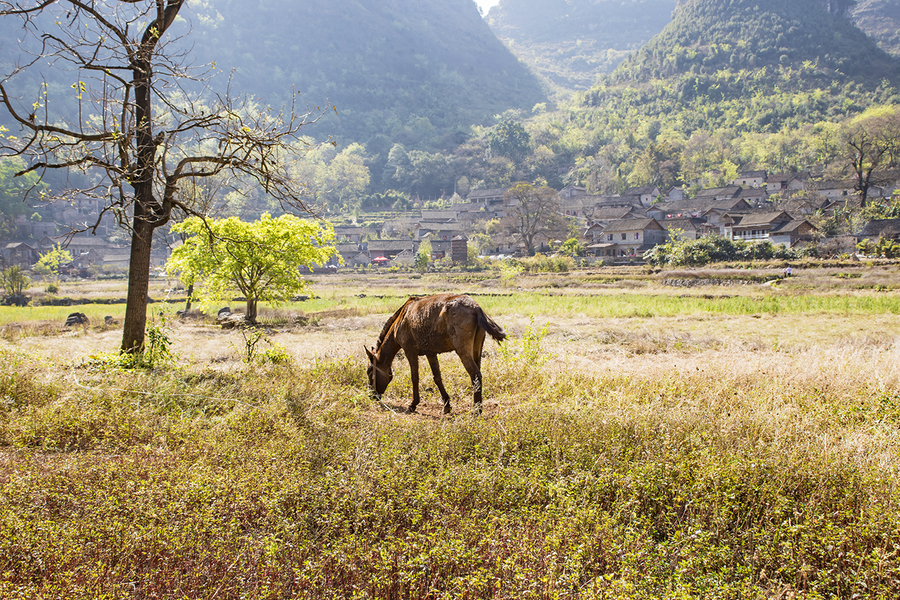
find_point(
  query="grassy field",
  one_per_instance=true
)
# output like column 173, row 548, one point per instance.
column 639, row 440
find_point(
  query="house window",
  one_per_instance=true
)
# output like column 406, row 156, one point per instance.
column 609, row 237
column 637, row 235
column 624, row 236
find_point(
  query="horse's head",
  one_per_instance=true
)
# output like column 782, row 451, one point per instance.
column 379, row 375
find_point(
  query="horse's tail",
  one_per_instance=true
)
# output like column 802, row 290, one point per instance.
column 488, row 324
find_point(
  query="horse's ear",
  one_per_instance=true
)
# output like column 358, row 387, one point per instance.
column 369, row 353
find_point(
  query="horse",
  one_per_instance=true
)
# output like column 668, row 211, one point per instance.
column 428, row 326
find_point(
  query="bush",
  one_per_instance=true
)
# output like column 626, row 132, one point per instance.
column 541, row 263
column 714, row 249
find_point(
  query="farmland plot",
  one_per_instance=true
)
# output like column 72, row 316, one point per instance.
column 638, row 441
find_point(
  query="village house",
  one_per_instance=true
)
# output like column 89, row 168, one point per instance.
column 688, row 228
column 348, row 251
column 491, row 200
column 777, row 227
column 406, row 258
column 575, row 207
column 756, row 197
column 696, row 207
column 718, row 194
column 628, row 238
column 444, row 214
column 837, row 189
column 353, row 233
column 19, row 254
column 713, row 215
column 119, row 259
column 889, row 181
column 752, row 179
column 802, row 204
column 26, row 229
column 676, row 194
column 439, row 234
column 790, row 182
column 399, row 227
column 888, row 229
column 601, row 218
column 790, row 233
column 390, row 248
column 645, row 195
column 572, row 191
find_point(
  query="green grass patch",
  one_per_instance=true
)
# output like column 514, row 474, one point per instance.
column 650, row 304
column 58, row 314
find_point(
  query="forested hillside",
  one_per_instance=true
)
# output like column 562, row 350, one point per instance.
column 814, row 37
column 728, row 85
column 415, row 71
column 571, row 42
column 880, row 19
column 751, row 66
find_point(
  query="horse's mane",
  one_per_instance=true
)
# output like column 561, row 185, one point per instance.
column 390, row 323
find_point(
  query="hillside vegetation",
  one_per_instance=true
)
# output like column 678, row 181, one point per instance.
column 708, row 36
column 415, row 71
column 726, row 86
column 571, row 42
column 880, row 19
column 406, row 70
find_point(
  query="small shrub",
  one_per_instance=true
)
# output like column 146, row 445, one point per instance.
column 252, row 337
column 530, row 350
column 508, row 271
column 275, row 354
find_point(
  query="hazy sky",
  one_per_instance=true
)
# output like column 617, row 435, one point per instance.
column 486, row 4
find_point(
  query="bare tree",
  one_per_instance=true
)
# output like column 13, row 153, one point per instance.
column 532, row 212
column 144, row 121
column 871, row 143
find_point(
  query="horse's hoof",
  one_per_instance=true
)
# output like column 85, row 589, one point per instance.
column 447, row 409
column 411, row 410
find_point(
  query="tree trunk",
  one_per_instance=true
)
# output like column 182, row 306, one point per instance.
column 190, row 293
column 138, row 286
column 251, row 310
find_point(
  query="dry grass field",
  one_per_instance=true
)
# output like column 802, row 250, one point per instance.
column 719, row 434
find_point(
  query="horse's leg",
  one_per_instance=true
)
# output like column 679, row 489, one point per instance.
column 414, row 375
column 478, row 346
column 473, row 368
column 436, row 372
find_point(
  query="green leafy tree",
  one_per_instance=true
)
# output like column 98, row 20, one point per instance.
column 572, row 247
column 342, row 182
column 509, row 138
column 14, row 281
column 50, row 262
column 13, row 191
column 261, row 260
column 423, row 257
column 396, row 168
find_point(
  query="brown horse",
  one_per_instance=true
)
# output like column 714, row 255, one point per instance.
column 429, row 326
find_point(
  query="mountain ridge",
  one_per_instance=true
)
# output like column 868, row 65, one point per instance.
column 812, row 36
column 383, row 64
column 571, row 42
